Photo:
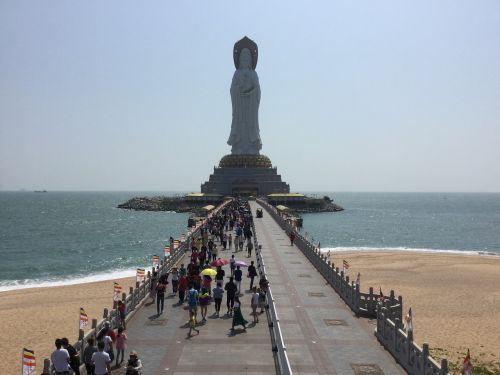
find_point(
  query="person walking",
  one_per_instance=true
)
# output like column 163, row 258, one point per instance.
column 160, row 296
column 252, row 272
column 122, row 314
column 262, row 300
column 238, row 274
column 231, row 290
column 232, row 264
column 175, row 280
column 255, row 303
column 230, row 240
column 101, row 360
column 193, row 300
column 249, row 248
column 87, row 356
column 218, row 293
column 204, row 300
column 219, row 278
column 238, row 319
column 292, row 237
column 121, row 345
column 182, row 287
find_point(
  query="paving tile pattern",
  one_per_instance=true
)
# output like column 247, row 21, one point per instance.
column 320, row 332
column 164, row 347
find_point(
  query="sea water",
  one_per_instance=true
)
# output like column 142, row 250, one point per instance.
column 60, row 238
column 433, row 222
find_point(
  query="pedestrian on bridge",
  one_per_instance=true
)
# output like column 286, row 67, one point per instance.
column 238, row 319
column 231, row 290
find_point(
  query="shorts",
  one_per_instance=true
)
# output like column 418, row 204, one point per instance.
column 192, row 308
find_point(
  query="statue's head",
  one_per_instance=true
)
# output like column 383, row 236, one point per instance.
column 245, row 59
column 242, row 44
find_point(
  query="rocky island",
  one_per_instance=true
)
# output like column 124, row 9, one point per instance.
column 194, row 202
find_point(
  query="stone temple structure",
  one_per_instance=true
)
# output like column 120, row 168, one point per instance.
column 245, row 171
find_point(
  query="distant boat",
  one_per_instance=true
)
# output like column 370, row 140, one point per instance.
column 40, row 191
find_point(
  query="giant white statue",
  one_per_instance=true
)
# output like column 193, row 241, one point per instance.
column 245, row 97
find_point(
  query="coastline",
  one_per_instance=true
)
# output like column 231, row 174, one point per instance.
column 455, row 298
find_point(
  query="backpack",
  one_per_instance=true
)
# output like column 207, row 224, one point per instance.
column 192, row 297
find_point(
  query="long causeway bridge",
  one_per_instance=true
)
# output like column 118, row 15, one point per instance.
column 312, row 324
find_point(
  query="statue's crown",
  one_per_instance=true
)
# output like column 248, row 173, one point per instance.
column 245, row 43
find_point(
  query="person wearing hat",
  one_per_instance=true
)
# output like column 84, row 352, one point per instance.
column 134, row 364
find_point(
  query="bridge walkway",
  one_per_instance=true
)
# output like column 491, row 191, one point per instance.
column 165, row 348
column 321, row 334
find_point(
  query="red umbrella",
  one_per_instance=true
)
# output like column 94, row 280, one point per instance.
column 219, row 262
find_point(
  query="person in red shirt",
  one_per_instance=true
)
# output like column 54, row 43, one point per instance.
column 197, row 282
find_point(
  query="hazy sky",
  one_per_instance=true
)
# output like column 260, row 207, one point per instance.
column 356, row 96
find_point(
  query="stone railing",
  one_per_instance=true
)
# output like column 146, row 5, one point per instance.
column 278, row 344
column 136, row 298
column 415, row 360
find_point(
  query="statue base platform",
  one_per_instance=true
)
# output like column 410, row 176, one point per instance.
column 245, row 175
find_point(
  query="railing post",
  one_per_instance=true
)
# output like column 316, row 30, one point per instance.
column 369, row 304
column 81, row 335
column 444, row 367
column 425, row 356
column 46, row 367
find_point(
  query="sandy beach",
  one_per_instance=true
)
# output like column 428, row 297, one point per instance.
column 455, row 301
column 34, row 318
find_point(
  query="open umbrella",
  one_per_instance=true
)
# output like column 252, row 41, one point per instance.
column 208, row 272
column 219, row 262
column 240, row 263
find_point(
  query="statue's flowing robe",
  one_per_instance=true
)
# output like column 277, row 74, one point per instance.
column 245, row 97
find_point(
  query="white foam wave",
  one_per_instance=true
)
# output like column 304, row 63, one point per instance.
column 408, row 249
column 50, row 282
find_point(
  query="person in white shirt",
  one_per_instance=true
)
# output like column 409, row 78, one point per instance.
column 60, row 359
column 101, row 360
column 255, row 304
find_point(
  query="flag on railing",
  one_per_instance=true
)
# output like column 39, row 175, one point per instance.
column 358, row 280
column 156, row 260
column 84, row 318
column 29, row 362
column 183, row 237
column 467, row 365
column 140, row 275
column 176, row 244
column 117, row 288
column 409, row 322
column 166, row 251
column 345, row 265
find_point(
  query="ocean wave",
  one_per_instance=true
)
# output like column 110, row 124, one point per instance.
column 409, row 249
column 7, row 285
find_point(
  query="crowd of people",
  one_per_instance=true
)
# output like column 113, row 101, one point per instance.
column 198, row 284
column 204, row 279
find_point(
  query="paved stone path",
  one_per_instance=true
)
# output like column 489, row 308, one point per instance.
column 321, row 334
column 164, row 347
